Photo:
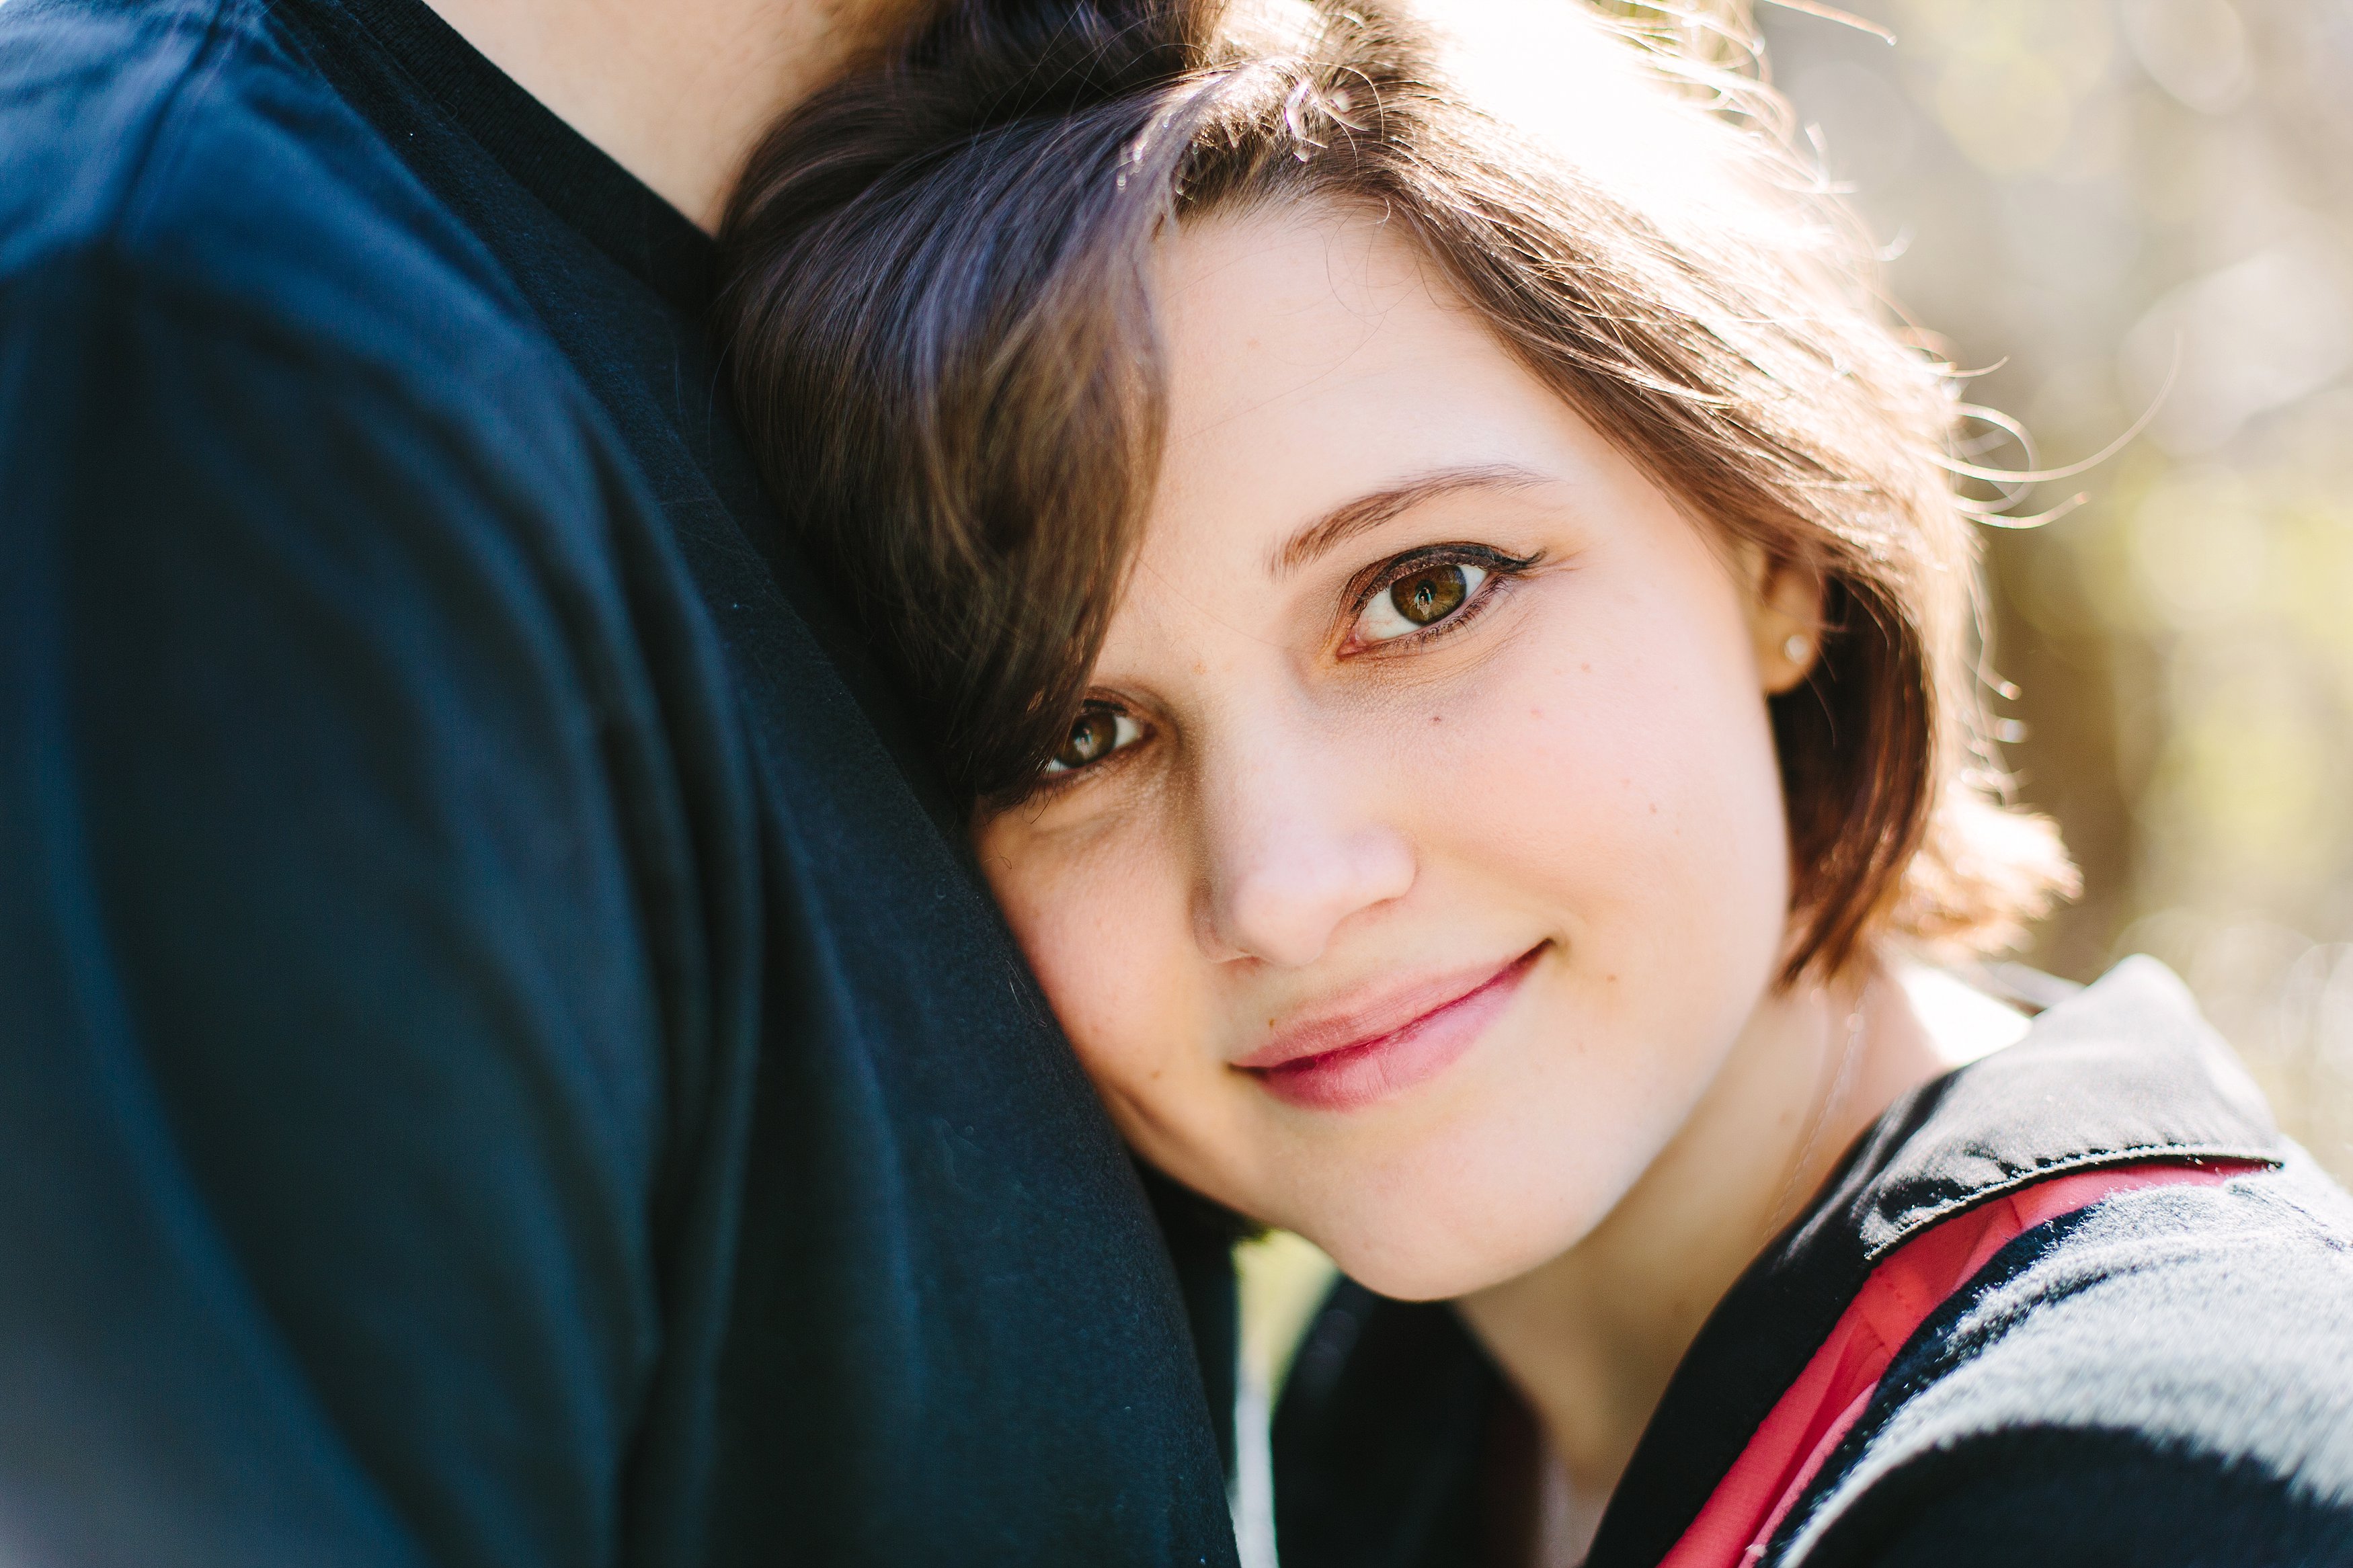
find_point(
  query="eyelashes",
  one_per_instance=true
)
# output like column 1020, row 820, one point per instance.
column 1413, row 599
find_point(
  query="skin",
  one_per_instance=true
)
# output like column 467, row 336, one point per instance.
column 1577, row 765
column 678, row 92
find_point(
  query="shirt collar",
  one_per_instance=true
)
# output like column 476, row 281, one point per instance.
column 570, row 175
column 2123, row 1072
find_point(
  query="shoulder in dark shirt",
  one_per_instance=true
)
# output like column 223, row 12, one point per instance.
column 420, row 814
column 2166, row 1377
column 364, row 819
column 2176, row 1361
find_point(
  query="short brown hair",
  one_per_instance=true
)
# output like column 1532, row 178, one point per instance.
column 943, row 344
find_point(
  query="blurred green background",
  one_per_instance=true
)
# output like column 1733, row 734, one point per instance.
column 2073, row 193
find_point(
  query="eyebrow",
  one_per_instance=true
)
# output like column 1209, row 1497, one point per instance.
column 1374, row 507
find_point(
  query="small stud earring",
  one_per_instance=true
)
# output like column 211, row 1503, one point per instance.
column 1798, row 648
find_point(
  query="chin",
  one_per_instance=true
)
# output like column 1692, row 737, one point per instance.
column 1419, row 1279
column 1518, row 1167
column 1435, row 1274
column 1433, row 1256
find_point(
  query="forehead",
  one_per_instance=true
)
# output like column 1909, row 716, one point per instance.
column 1290, row 314
column 1313, row 356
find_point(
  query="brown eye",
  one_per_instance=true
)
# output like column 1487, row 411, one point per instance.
column 1089, row 737
column 1430, row 594
column 1424, row 596
column 1095, row 734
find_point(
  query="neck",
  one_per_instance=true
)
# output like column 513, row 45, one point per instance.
column 676, row 92
column 1591, row 1338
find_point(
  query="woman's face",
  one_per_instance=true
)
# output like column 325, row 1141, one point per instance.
column 1431, row 859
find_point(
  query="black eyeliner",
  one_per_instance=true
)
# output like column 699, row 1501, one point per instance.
column 1501, row 569
column 1384, row 573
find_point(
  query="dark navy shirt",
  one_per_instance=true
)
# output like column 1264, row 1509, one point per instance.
column 503, row 1057
column 2164, row 1378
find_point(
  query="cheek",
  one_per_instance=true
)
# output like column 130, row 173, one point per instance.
column 1097, row 931
column 1662, row 842
column 1623, row 764
column 1106, row 926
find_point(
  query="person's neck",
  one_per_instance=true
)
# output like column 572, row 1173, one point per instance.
column 675, row 92
column 1592, row 1337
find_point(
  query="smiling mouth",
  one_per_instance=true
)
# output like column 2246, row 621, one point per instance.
column 1369, row 1054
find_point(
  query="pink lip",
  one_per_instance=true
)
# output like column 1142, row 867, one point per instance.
column 1369, row 1051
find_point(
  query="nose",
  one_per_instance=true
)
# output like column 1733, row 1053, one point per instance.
column 1290, row 858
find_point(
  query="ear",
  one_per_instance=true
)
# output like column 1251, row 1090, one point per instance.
column 1785, row 618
